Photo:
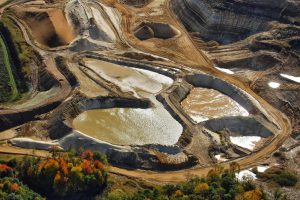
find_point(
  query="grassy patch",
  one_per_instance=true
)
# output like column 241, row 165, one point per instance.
column 280, row 176
column 16, row 56
column 8, row 86
column 8, row 157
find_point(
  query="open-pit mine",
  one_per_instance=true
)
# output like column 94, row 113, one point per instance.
column 167, row 89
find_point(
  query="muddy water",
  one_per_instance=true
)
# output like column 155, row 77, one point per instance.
column 203, row 104
column 127, row 126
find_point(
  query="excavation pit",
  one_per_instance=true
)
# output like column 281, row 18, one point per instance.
column 203, row 104
column 148, row 30
column 49, row 27
column 128, row 126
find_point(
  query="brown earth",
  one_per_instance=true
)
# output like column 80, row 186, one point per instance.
column 182, row 50
column 48, row 27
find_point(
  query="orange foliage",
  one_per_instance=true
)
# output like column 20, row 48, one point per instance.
column 69, row 173
column 253, row 195
column 57, row 177
column 98, row 165
column 86, row 166
column 4, row 168
column 178, row 193
column 63, row 166
column 47, row 164
column 201, row 187
column 14, row 187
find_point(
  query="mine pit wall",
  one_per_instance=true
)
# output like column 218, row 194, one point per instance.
column 158, row 68
column 223, row 26
column 175, row 94
column 210, row 82
column 129, row 157
column 60, row 123
column 243, row 126
column 63, row 69
column 46, row 80
column 259, row 61
column 60, row 127
column 12, row 118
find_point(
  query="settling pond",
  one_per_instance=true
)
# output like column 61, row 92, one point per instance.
column 203, row 104
column 130, row 126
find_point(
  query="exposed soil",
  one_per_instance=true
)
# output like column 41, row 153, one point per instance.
column 61, row 26
column 103, row 64
column 148, row 30
column 49, row 27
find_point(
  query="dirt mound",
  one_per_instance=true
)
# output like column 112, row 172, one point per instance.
column 148, row 30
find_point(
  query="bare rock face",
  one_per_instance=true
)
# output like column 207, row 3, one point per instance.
column 135, row 3
column 227, row 21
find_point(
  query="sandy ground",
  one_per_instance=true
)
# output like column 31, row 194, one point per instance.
column 3, row 1
column 49, row 27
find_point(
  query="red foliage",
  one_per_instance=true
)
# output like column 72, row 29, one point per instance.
column 98, row 165
column 14, row 187
column 87, row 154
column 86, row 166
column 67, row 174
column 5, row 168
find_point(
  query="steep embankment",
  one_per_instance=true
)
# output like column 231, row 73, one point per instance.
column 8, row 86
column 230, row 21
